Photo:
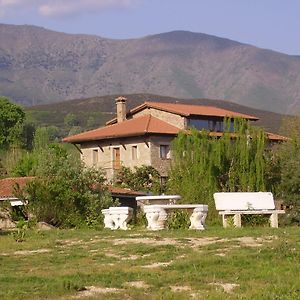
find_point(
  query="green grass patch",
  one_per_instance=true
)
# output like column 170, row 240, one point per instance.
column 246, row 263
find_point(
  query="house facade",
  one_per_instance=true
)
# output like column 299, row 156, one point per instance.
column 142, row 136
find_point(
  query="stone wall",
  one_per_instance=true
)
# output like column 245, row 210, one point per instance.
column 161, row 165
column 148, row 153
column 105, row 150
column 168, row 117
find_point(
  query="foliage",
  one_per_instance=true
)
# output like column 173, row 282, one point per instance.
column 290, row 178
column 19, row 234
column 65, row 193
column 12, row 117
column 75, row 130
column 140, row 218
column 3, row 171
column 288, row 156
column 10, row 158
column 27, row 135
column 144, row 178
column 203, row 164
column 178, row 220
column 256, row 220
column 71, row 120
column 25, row 165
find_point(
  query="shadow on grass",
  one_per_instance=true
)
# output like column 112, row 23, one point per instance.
column 5, row 232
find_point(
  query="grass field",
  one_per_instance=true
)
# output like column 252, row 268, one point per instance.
column 247, row 263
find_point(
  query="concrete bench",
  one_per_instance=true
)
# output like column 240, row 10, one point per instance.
column 247, row 203
column 117, row 217
column 157, row 215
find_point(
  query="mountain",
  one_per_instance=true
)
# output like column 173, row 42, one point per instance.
column 104, row 108
column 42, row 66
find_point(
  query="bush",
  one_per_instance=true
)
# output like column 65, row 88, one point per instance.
column 178, row 220
column 144, row 178
column 66, row 194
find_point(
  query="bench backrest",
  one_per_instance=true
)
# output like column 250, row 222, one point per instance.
column 244, row 201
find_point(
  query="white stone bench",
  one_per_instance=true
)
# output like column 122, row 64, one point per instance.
column 117, row 217
column 157, row 215
column 246, row 203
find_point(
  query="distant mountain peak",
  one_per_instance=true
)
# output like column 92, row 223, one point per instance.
column 38, row 65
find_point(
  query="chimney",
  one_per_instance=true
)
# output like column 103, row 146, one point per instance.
column 121, row 109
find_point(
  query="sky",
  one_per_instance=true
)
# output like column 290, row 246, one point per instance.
column 270, row 24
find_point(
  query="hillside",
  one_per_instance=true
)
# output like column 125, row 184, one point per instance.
column 42, row 66
column 53, row 114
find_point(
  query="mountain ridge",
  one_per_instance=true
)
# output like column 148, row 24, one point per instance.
column 38, row 66
column 105, row 104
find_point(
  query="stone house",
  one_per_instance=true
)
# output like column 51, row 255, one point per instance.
column 142, row 136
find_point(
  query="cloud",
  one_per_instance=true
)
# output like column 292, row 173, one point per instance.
column 60, row 8
column 70, row 7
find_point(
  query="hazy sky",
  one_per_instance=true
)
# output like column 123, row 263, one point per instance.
column 271, row 24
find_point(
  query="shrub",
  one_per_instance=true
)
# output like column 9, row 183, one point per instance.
column 66, row 194
column 144, row 178
column 178, row 220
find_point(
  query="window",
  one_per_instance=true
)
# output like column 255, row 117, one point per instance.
column 164, row 151
column 209, row 124
column 95, row 157
column 116, row 158
column 134, row 155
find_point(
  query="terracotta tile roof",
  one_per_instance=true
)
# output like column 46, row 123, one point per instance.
column 134, row 127
column 7, row 185
column 123, row 191
column 187, row 110
column 276, row 137
column 271, row 136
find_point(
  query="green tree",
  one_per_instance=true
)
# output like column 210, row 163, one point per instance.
column 66, row 194
column 289, row 167
column 75, row 130
column 71, row 120
column 203, row 164
column 143, row 178
column 12, row 117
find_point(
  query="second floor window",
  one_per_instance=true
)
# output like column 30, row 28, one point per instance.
column 164, row 151
column 134, row 152
column 116, row 158
column 211, row 125
column 95, row 157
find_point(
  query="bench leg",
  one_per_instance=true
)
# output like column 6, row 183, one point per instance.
column 224, row 220
column 237, row 220
column 274, row 220
column 108, row 222
column 198, row 220
column 156, row 219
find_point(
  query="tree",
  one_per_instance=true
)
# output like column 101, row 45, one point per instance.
column 66, row 194
column 71, row 120
column 143, row 178
column 203, row 164
column 289, row 167
column 12, row 117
